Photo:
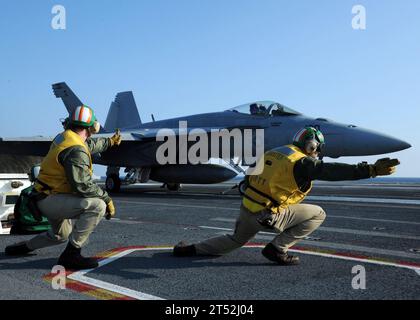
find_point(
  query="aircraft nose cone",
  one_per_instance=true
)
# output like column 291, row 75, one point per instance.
column 361, row 142
column 385, row 144
column 402, row 145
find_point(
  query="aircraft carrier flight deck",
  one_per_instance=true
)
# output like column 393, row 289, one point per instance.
column 371, row 230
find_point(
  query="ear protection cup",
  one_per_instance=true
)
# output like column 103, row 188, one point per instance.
column 66, row 123
column 309, row 140
column 95, row 128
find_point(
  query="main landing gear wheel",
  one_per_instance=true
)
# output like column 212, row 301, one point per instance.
column 113, row 183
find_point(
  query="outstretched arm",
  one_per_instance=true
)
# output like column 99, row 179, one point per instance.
column 98, row 145
column 309, row 169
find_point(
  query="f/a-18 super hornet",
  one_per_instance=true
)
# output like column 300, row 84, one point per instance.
column 142, row 141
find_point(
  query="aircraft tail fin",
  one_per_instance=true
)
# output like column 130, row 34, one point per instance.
column 123, row 113
column 70, row 100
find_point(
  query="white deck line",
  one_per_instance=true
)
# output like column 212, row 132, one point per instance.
column 356, row 201
column 364, row 200
column 221, row 219
column 346, row 231
column 81, row 275
column 322, row 244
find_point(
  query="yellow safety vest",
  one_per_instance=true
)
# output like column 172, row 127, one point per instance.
column 275, row 188
column 52, row 172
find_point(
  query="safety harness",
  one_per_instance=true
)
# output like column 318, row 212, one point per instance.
column 269, row 204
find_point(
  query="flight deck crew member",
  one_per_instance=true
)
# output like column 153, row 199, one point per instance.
column 65, row 179
column 272, row 199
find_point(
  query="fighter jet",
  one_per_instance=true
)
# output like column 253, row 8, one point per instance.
column 137, row 152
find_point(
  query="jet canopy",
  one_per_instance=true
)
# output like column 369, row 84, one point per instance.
column 265, row 108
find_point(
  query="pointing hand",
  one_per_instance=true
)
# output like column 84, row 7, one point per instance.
column 116, row 138
column 383, row 167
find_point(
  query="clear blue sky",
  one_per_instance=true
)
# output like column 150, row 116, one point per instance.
column 183, row 56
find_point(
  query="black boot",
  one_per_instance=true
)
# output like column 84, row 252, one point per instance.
column 17, row 249
column 184, row 250
column 72, row 259
column 282, row 258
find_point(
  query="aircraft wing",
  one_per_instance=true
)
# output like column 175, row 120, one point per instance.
column 137, row 148
column 39, row 145
column 33, row 146
column 152, row 133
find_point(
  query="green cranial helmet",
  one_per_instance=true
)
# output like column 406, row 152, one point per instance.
column 83, row 116
column 303, row 136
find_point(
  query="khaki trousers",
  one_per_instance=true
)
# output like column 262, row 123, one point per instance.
column 59, row 210
column 293, row 224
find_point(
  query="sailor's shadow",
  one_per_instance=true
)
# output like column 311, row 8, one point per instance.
column 30, row 262
column 134, row 267
column 128, row 267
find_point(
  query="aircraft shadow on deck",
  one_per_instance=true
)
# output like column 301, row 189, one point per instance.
column 156, row 193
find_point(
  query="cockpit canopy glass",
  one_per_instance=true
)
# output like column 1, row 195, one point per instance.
column 265, row 108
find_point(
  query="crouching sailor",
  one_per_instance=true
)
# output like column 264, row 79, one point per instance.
column 272, row 199
column 70, row 194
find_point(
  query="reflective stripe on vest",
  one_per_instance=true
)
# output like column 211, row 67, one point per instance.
column 275, row 188
column 52, row 173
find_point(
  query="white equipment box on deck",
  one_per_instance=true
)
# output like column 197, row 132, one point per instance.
column 11, row 184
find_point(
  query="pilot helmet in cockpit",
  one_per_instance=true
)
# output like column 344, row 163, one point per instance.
column 254, row 108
